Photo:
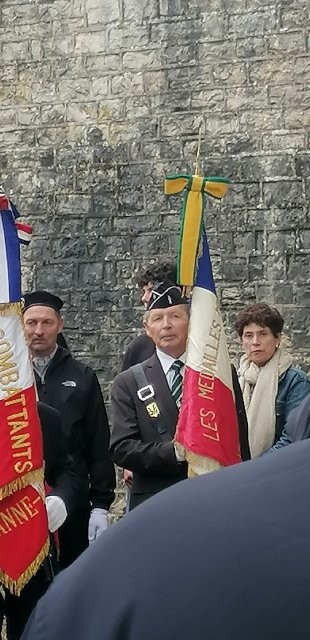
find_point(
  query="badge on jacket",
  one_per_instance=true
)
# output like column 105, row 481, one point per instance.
column 69, row 383
column 153, row 410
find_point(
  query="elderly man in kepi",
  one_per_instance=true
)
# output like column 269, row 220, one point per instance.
column 142, row 346
column 73, row 388
column 146, row 398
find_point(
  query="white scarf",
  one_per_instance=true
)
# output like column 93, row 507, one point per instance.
column 259, row 386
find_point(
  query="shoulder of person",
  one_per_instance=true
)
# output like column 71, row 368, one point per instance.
column 81, row 371
column 127, row 376
column 75, row 363
column 294, row 375
column 141, row 344
column 140, row 339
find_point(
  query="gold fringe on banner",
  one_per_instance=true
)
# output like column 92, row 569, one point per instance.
column 197, row 465
column 11, row 309
column 15, row 586
column 32, row 477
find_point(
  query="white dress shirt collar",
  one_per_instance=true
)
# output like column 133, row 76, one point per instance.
column 166, row 361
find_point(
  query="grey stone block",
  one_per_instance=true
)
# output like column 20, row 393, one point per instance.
column 283, row 194
column 250, row 47
column 292, row 17
column 254, row 22
column 140, row 10
column 13, row 51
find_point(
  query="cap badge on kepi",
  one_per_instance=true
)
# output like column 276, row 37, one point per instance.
column 165, row 294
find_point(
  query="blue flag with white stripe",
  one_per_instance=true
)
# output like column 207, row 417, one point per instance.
column 10, row 274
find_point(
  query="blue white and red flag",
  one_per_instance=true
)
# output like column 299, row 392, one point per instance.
column 207, row 426
column 12, row 234
column 10, row 281
column 24, row 232
column 23, row 517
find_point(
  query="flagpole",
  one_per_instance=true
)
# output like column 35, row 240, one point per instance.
column 197, row 161
column 207, row 429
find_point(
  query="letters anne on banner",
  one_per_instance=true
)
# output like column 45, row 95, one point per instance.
column 207, row 429
column 24, row 539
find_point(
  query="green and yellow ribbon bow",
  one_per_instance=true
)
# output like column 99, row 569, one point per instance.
column 192, row 217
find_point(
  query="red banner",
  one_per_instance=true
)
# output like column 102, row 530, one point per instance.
column 207, row 405
column 23, row 537
column 23, row 519
column 20, row 441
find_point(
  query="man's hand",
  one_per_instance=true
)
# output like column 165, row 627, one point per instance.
column 56, row 512
column 128, row 476
column 98, row 523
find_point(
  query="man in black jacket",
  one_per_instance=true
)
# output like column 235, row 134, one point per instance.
column 138, row 442
column 63, row 491
column 71, row 387
column 141, row 442
column 143, row 347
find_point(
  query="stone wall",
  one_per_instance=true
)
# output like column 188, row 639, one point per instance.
column 99, row 99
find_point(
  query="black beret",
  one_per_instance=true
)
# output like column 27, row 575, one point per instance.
column 42, row 298
column 165, row 294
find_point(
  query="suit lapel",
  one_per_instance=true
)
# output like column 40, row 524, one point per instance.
column 167, row 406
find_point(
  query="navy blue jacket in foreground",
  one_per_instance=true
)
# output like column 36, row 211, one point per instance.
column 222, row 557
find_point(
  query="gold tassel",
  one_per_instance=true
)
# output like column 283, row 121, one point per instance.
column 15, row 586
column 11, row 308
column 19, row 483
column 199, row 465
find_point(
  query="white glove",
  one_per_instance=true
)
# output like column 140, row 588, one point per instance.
column 98, row 523
column 56, row 512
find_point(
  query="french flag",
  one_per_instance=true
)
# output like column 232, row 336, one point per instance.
column 10, row 280
column 12, row 234
column 24, row 232
column 207, row 425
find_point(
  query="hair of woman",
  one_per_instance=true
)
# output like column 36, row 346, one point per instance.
column 262, row 314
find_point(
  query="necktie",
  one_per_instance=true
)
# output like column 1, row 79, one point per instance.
column 177, row 381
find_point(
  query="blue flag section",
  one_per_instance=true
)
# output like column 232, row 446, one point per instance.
column 204, row 277
column 10, row 281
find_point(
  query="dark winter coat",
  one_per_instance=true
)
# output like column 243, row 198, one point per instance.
column 59, row 467
column 135, row 442
column 73, row 389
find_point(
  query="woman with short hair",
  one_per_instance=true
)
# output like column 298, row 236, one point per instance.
column 271, row 386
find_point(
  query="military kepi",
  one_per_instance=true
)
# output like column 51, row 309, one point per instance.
column 42, row 298
column 165, row 294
